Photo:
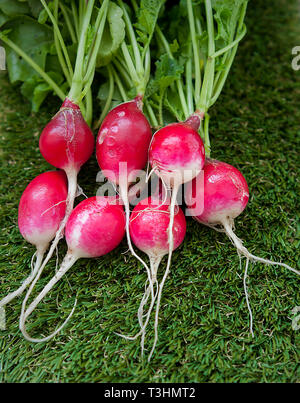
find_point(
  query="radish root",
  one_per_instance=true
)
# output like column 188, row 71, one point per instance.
column 67, row 263
column 238, row 243
column 34, row 270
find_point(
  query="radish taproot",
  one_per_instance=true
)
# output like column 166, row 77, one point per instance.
column 41, row 209
column 149, row 226
column 225, row 195
column 95, row 227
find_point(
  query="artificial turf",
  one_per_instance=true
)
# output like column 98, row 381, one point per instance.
column 204, row 324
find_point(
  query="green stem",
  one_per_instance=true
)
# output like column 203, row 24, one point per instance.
column 109, row 96
column 59, row 42
column 119, row 84
column 76, row 88
column 59, row 50
column 88, row 115
column 75, row 17
column 206, row 135
column 153, row 120
column 35, row 66
column 232, row 44
column 195, row 51
column 92, row 57
column 68, row 22
column 130, row 65
column 189, row 84
column 120, row 67
column 208, row 80
column 134, row 44
column 220, row 81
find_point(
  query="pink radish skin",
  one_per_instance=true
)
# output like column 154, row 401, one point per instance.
column 149, row 223
column 177, row 153
column 66, row 142
column 41, row 209
column 124, row 136
column 122, row 148
column 225, row 191
column 95, row 227
column 226, row 195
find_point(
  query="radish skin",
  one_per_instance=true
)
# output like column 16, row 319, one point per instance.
column 95, row 227
column 226, row 195
column 41, row 209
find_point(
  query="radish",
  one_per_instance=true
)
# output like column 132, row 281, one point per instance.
column 41, row 209
column 122, row 150
column 95, row 227
column 177, row 156
column 125, row 133
column 149, row 223
column 67, row 142
column 225, row 192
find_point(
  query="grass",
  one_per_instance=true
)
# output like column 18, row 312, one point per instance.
column 204, row 323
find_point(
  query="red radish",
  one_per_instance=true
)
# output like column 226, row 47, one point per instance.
column 41, row 209
column 226, row 195
column 122, row 150
column 149, row 223
column 66, row 142
column 177, row 156
column 95, row 227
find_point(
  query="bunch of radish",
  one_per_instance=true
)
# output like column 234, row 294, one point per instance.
column 162, row 123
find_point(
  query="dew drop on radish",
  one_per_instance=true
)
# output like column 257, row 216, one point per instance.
column 95, row 227
column 225, row 195
column 41, row 209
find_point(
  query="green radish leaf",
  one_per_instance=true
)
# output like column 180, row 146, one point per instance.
column 34, row 39
column 36, row 90
column 35, row 7
column 113, row 35
column 167, row 72
column 3, row 18
column 147, row 18
column 13, row 8
column 226, row 16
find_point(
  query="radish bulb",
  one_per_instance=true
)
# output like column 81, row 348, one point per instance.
column 225, row 192
column 149, row 223
column 41, row 209
column 95, row 227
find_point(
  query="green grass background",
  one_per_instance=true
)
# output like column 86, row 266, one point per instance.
column 204, row 323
